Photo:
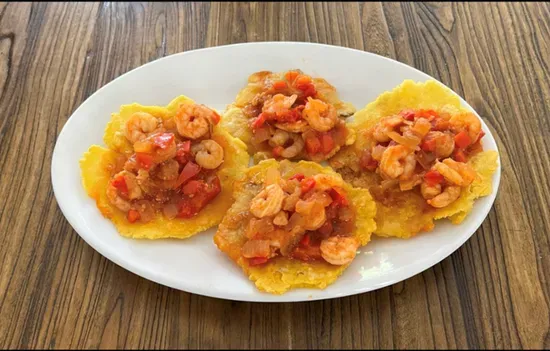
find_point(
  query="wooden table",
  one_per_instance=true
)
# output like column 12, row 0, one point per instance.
column 57, row 292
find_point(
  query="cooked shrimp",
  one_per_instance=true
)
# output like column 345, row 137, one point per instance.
column 268, row 202
column 394, row 160
column 321, row 116
column 168, row 170
column 387, row 124
column 299, row 126
column 313, row 212
column 296, row 147
column 409, row 167
column 448, row 196
column 193, row 120
column 466, row 171
column 429, row 191
column 279, row 104
column 209, row 154
column 325, row 182
column 339, row 250
column 444, row 143
column 134, row 191
column 279, row 138
column 139, row 125
column 281, row 219
column 467, row 121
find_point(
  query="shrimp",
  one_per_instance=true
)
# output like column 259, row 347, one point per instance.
column 457, row 173
column 209, row 154
column 268, row 202
column 444, row 143
column 469, row 122
column 279, row 138
column 395, row 160
column 139, row 125
column 428, row 191
column 294, row 149
column 409, row 167
column 449, row 195
column 281, row 219
column 279, row 104
column 387, row 124
column 326, row 182
column 134, row 191
column 339, row 250
column 193, row 120
column 168, row 170
column 299, row 126
column 314, row 214
column 321, row 116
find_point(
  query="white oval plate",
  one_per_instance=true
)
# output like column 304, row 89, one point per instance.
column 213, row 76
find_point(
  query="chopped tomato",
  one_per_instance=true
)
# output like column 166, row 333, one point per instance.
column 291, row 75
column 298, row 176
column 313, row 145
column 367, row 162
column 190, row 170
column 256, row 261
column 280, row 85
column 144, row 160
column 305, row 84
column 205, row 192
column 277, row 150
column 327, row 143
column 290, row 115
column 259, row 121
column 163, row 140
column 428, row 145
column 462, row 139
column 339, row 196
column 305, row 240
column 133, row 216
column 193, row 187
column 183, row 152
column 120, row 183
column 408, row 114
column 429, row 114
column 433, row 178
column 459, row 156
column 309, row 253
column 307, row 185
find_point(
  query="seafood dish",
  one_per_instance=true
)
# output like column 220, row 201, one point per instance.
column 420, row 154
column 289, row 115
column 166, row 171
column 295, row 225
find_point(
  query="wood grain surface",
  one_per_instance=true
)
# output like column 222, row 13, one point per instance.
column 57, row 292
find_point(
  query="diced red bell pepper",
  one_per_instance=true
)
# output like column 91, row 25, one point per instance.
column 133, row 216
column 277, row 150
column 259, row 121
column 190, row 170
column 429, row 114
column 305, row 241
column 120, row 183
column 313, row 145
column 298, row 176
column 280, row 85
column 256, row 261
column 307, row 184
column 459, row 156
column 163, row 140
column 462, row 139
column 327, row 143
column 339, row 196
column 408, row 114
column 144, row 160
column 433, row 178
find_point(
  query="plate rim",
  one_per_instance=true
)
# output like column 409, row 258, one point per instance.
column 411, row 271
